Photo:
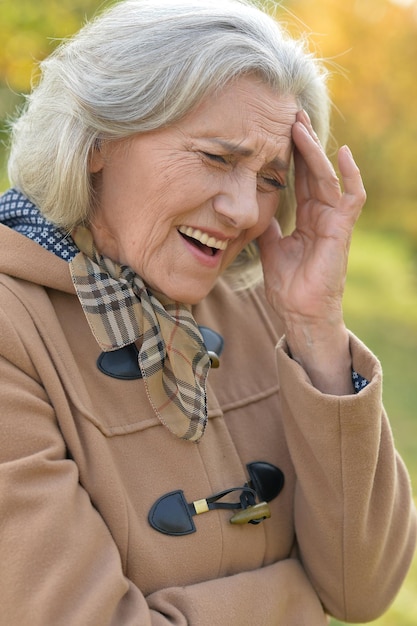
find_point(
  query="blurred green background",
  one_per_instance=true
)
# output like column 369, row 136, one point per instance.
column 370, row 47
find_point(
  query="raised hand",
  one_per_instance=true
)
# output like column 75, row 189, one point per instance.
column 305, row 272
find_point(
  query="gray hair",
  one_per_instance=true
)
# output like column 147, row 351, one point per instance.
column 142, row 65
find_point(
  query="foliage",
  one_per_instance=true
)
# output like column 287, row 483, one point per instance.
column 371, row 48
column 29, row 31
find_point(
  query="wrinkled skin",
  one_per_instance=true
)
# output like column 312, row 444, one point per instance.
column 218, row 173
column 305, row 272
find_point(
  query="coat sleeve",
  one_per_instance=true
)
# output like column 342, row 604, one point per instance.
column 354, row 514
column 59, row 564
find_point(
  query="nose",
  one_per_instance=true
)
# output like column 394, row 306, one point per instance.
column 237, row 204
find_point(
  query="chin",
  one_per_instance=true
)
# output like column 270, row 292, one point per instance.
column 188, row 296
column 189, row 299
column 187, row 288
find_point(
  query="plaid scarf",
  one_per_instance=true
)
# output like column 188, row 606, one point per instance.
column 121, row 310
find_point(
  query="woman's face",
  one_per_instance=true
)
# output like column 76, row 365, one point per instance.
column 178, row 204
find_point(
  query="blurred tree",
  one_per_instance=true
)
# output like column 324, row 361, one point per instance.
column 29, row 31
column 374, row 43
column 371, row 48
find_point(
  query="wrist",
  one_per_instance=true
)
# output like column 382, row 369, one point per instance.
column 323, row 352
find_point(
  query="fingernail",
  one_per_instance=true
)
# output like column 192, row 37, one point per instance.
column 303, row 126
column 305, row 116
column 300, row 117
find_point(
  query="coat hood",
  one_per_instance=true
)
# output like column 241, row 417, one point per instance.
column 21, row 256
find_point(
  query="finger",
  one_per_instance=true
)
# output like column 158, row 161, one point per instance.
column 352, row 180
column 317, row 176
column 312, row 151
column 303, row 117
column 302, row 180
column 351, row 176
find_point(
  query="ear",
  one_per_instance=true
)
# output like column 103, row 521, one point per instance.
column 96, row 161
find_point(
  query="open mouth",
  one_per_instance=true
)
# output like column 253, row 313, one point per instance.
column 204, row 242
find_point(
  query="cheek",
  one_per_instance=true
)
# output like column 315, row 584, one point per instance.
column 268, row 207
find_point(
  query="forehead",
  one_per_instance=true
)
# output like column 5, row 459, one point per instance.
column 246, row 112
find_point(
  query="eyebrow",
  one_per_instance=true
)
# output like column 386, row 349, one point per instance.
column 234, row 148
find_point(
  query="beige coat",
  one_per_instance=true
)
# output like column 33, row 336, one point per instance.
column 83, row 459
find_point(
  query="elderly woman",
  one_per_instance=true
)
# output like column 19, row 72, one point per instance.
column 171, row 155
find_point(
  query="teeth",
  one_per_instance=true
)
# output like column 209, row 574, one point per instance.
column 203, row 238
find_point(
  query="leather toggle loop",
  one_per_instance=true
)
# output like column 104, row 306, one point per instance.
column 171, row 514
column 247, row 498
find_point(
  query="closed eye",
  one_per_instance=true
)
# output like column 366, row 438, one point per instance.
column 263, row 181
column 273, row 182
column 215, row 157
